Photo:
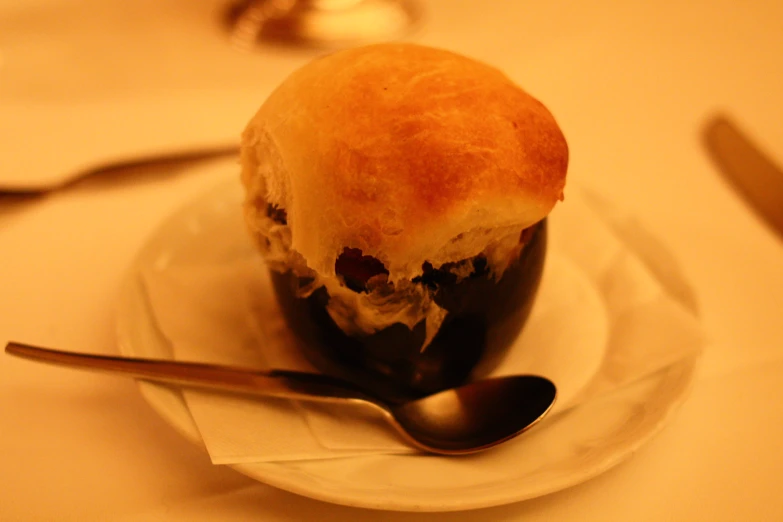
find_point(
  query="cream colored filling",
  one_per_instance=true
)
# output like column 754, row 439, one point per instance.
column 366, row 313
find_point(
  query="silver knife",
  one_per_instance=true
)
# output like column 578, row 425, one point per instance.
column 749, row 170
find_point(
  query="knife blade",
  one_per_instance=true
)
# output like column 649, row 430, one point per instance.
column 749, row 170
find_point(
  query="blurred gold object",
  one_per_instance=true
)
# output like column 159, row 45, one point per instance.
column 323, row 23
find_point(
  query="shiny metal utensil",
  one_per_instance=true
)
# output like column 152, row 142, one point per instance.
column 462, row 420
column 118, row 168
column 750, row 171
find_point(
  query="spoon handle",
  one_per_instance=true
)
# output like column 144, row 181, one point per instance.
column 275, row 383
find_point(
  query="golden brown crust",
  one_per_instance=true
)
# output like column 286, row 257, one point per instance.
column 408, row 153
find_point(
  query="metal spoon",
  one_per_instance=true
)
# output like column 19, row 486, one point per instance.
column 467, row 419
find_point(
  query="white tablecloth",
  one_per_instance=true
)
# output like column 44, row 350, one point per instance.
column 631, row 85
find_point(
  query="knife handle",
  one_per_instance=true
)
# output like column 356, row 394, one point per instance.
column 749, row 170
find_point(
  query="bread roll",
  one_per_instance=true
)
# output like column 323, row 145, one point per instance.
column 407, row 156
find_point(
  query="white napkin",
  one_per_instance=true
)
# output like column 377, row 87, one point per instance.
column 601, row 322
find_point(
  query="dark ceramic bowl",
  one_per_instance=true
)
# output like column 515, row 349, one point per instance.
column 483, row 320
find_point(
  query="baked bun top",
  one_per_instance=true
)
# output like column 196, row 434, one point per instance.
column 407, row 153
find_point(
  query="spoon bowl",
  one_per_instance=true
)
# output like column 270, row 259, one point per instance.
column 467, row 419
column 477, row 415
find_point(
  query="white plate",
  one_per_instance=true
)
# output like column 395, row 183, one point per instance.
column 564, row 450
